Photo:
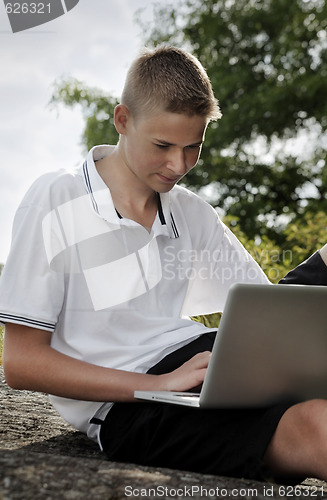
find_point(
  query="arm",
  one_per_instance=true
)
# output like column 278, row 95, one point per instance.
column 30, row 363
column 312, row 271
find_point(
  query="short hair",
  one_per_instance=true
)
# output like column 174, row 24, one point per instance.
column 169, row 79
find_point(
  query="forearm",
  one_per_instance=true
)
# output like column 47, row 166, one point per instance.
column 57, row 374
column 38, row 367
column 30, row 363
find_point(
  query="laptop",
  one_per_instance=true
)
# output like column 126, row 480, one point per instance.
column 271, row 347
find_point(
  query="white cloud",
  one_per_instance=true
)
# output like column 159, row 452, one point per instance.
column 94, row 42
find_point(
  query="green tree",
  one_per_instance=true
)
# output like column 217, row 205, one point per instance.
column 306, row 235
column 97, row 108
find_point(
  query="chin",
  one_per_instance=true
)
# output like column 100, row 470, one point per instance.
column 164, row 189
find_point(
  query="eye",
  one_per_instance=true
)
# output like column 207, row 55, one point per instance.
column 162, row 146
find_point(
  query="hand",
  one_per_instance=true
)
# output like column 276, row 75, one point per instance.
column 189, row 375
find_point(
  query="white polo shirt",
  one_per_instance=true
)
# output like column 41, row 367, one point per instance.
column 112, row 293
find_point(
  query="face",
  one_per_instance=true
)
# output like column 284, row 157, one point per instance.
column 159, row 149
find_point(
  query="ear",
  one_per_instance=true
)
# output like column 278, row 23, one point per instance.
column 121, row 117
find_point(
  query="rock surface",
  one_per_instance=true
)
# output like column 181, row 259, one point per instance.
column 43, row 458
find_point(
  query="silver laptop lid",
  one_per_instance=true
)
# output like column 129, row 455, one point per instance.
column 271, row 345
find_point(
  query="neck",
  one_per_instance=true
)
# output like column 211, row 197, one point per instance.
column 131, row 198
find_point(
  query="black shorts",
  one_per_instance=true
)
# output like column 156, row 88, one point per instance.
column 225, row 442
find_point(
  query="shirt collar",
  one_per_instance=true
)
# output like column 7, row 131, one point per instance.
column 102, row 201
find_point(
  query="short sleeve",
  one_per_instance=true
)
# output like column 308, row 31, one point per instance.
column 221, row 261
column 31, row 293
column 312, row 271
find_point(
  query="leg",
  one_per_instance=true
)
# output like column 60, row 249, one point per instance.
column 299, row 444
column 223, row 442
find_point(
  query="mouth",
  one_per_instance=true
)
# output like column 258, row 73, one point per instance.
column 168, row 180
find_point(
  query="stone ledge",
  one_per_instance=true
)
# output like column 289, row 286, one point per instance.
column 49, row 476
column 43, row 458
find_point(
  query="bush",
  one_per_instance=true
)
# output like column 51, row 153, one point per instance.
column 302, row 237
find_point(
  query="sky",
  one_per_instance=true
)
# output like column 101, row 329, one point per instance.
column 94, row 42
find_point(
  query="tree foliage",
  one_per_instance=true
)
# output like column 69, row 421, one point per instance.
column 97, row 107
column 301, row 239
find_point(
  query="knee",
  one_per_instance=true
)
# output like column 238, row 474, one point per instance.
column 308, row 420
column 313, row 412
column 299, row 445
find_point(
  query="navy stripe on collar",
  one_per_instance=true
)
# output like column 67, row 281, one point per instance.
column 160, row 211
column 174, row 227
column 89, row 187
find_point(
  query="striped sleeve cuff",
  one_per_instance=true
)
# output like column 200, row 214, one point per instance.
column 32, row 322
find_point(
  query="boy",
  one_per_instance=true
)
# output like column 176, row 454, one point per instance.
column 105, row 264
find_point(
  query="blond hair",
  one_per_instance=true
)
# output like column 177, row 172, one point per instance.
column 169, row 79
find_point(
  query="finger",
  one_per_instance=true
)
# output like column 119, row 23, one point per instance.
column 201, row 359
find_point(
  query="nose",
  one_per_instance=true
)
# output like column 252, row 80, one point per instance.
column 177, row 162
